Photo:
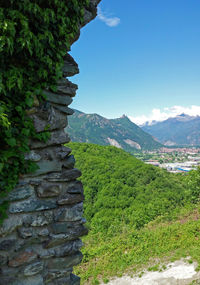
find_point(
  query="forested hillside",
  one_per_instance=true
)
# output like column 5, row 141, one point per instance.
column 120, row 188
column 123, row 196
column 121, row 132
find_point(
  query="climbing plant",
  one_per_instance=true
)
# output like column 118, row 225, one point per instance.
column 34, row 37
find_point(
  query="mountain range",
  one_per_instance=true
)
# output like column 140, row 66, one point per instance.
column 180, row 130
column 121, row 132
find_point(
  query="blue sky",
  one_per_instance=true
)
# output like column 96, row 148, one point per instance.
column 148, row 60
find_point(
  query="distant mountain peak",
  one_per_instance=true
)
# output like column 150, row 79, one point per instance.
column 180, row 117
column 183, row 115
column 121, row 132
column 180, row 130
column 123, row 116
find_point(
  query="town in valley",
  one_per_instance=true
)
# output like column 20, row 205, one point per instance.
column 177, row 159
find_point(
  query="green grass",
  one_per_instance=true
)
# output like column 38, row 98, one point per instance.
column 132, row 250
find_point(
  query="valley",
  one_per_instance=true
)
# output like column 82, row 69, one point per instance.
column 142, row 142
column 141, row 206
column 173, row 159
column 141, row 200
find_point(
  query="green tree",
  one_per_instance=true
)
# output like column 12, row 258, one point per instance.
column 193, row 181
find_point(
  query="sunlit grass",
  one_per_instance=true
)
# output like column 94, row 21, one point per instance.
column 130, row 250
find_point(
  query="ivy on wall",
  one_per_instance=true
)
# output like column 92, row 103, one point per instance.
column 34, row 37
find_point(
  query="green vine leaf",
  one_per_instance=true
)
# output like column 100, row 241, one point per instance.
column 34, row 37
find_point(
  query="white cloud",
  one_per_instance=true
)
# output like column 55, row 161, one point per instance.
column 109, row 21
column 165, row 113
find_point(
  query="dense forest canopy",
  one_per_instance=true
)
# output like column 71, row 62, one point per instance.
column 122, row 189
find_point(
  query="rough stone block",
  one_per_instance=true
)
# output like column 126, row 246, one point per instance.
column 49, row 153
column 25, row 232
column 48, row 190
column 57, row 138
column 69, row 214
column 33, row 269
column 66, row 175
column 19, row 193
column 40, row 219
column 54, row 275
column 43, row 232
column 10, row 224
column 68, row 249
column 58, row 99
column 3, row 258
column 87, row 16
column 66, row 87
column 46, row 254
column 63, row 152
column 71, row 234
column 70, row 67
column 31, row 206
column 7, row 244
column 74, row 187
column 64, row 262
column 22, row 258
column 62, row 227
column 33, row 156
column 69, row 162
column 31, row 237
column 66, row 110
column 55, row 120
column 46, row 166
column 68, row 199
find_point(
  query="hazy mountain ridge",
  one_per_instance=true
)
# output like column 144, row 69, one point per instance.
column 180, row 130
column 120, row 132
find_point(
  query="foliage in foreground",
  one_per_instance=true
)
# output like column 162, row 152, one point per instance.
column 133, row 212
column 35, row 36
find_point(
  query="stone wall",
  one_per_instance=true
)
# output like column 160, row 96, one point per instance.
column 40, row 240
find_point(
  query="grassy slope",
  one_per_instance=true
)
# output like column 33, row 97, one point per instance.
column 150, row 247
column 132, row 211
